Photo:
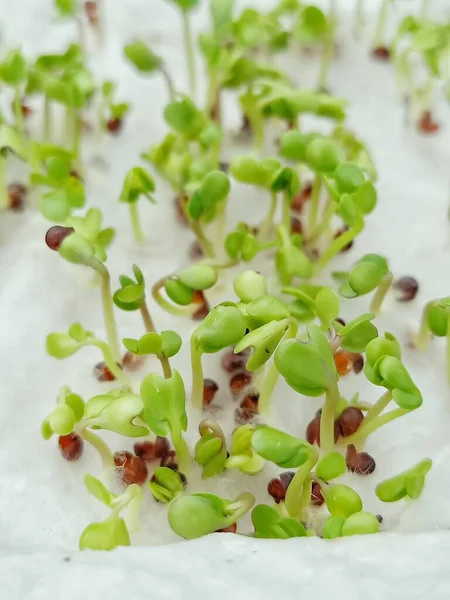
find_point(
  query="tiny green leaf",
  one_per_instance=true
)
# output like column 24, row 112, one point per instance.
column 331, row 466
column 106, row 535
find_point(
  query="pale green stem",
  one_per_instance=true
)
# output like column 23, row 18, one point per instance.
column 448, row 349
column 20, row 122
column 134, row 497
column 314, row 202
column 221, row 223
column 286, row 219
column 305, row 498
column 209, row 426
column 189, row 51
column 47, row 120
column 96, row 441
column 179, row 311
column 267, row 224
column 270, row 381
column 108, row 309
column 378, row 39
column 207, row 246
column 422, row 339
column 381, row 292
column 169, row 82
column 294, row 491
column 197, row 375
column 327, row 55
column 258, row 133
column 109, row 360
column 77, row 128
column 239, row 507
column 364, row 431
column 336, row 246
column 213, row 96
column 325, row 223
column 4, row 196
column 146, row 317
column 135, row 223
column 376, row 410
column 327, row 418
column 182, row 452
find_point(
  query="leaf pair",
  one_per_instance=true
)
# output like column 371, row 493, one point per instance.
column 63, row 345
column 167, row 343
column 182, row 286
column 210, row 449
column 63, row 418
column 359, row 523
column 269, row 524
column 242, row 455
column 116, row 412
column 214, row 189
column 241, row 244
column 165, row 484
column 364, row 277
column 137, row 183
column 89, row 242
column 409, row 483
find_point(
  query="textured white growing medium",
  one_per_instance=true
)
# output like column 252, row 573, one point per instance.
column 43, row 505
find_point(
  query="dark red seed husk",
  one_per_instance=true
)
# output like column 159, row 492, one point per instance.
column 230, row 529
column 114, row 125
column 341, row 321
column 286, row 478
column 350, row 420
column 169, row 460
column 17, row 196
column 299, row 199
column 71, row 446
column 358, row 363
column 248, row 408
column 26, row 111
column 203, row 310
column 162, row 447
column 232, row 362
column 296, row 225
column 239, row 381
column 275, row 488
column 313, row 431
column 338, row 233
column 317, row 498
column 195, row 250
column 130, row 468
column 426, row 123
column 210, row 388
column 132, row 362
column 180, row 208
column 102, row 373
column 381, row 53
column 406, row 288
column 246, row 126
column 56, row 235
column 145, row 450
column 359, row 462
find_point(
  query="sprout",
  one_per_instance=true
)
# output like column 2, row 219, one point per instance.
column 112, row 532
column 435, row 321
column 211, row 449
column 242, row 455
column 137, row 183
column 166, row 484
column 111, row 114
column 268, row 524
column 409, row 483
column 147, row 62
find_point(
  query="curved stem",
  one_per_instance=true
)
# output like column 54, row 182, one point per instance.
column 267, row 224
column 209, row 426
column 136, row 223
column 314, row 202
column 336, row 246
column 96, row 441
column 241, row 505
column 381, row 292
column 185, row 311
column 109, row 360
column 169, row 82
column 364, row 431
column 189, row 50
column 294, row 491
column 197, row 375
column 207, row 246
column 327, row 418
column 376, row 410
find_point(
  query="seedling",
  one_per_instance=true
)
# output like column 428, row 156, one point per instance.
column 211, row 449
column 166, row 484
column 370, row 273
column 11, row 142
column 408, row 484
column 137, row 183
column 147, row 62
column 110, row 114
column 435, row 321
column 112, row 532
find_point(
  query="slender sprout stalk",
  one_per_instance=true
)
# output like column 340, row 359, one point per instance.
column 150, row 327
column 327, row 418
column 267, row 224
column 336, row 246
column 136, row 223
column 238, row 508
column 305, row 497
column 325, row 222
column 209, row 426
column 270, row 380
column 365, row 430
column 179, row 311
column 447, row 353
column 206, row 244
column 314, row 202
column 327, row 55
column 221, row 218
column 18, row 111
column 76, row 140
column 381, row 292
column 294, row 491
column 286, row 219
column 182, row 452
column 378, row 39
column 134, row 507
column 422, row 339
column 376, row 410
column 189, row 51
column 109, row 361
column 96, row 441
column 169, row 82
column 47, row 120
column 197, row 375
